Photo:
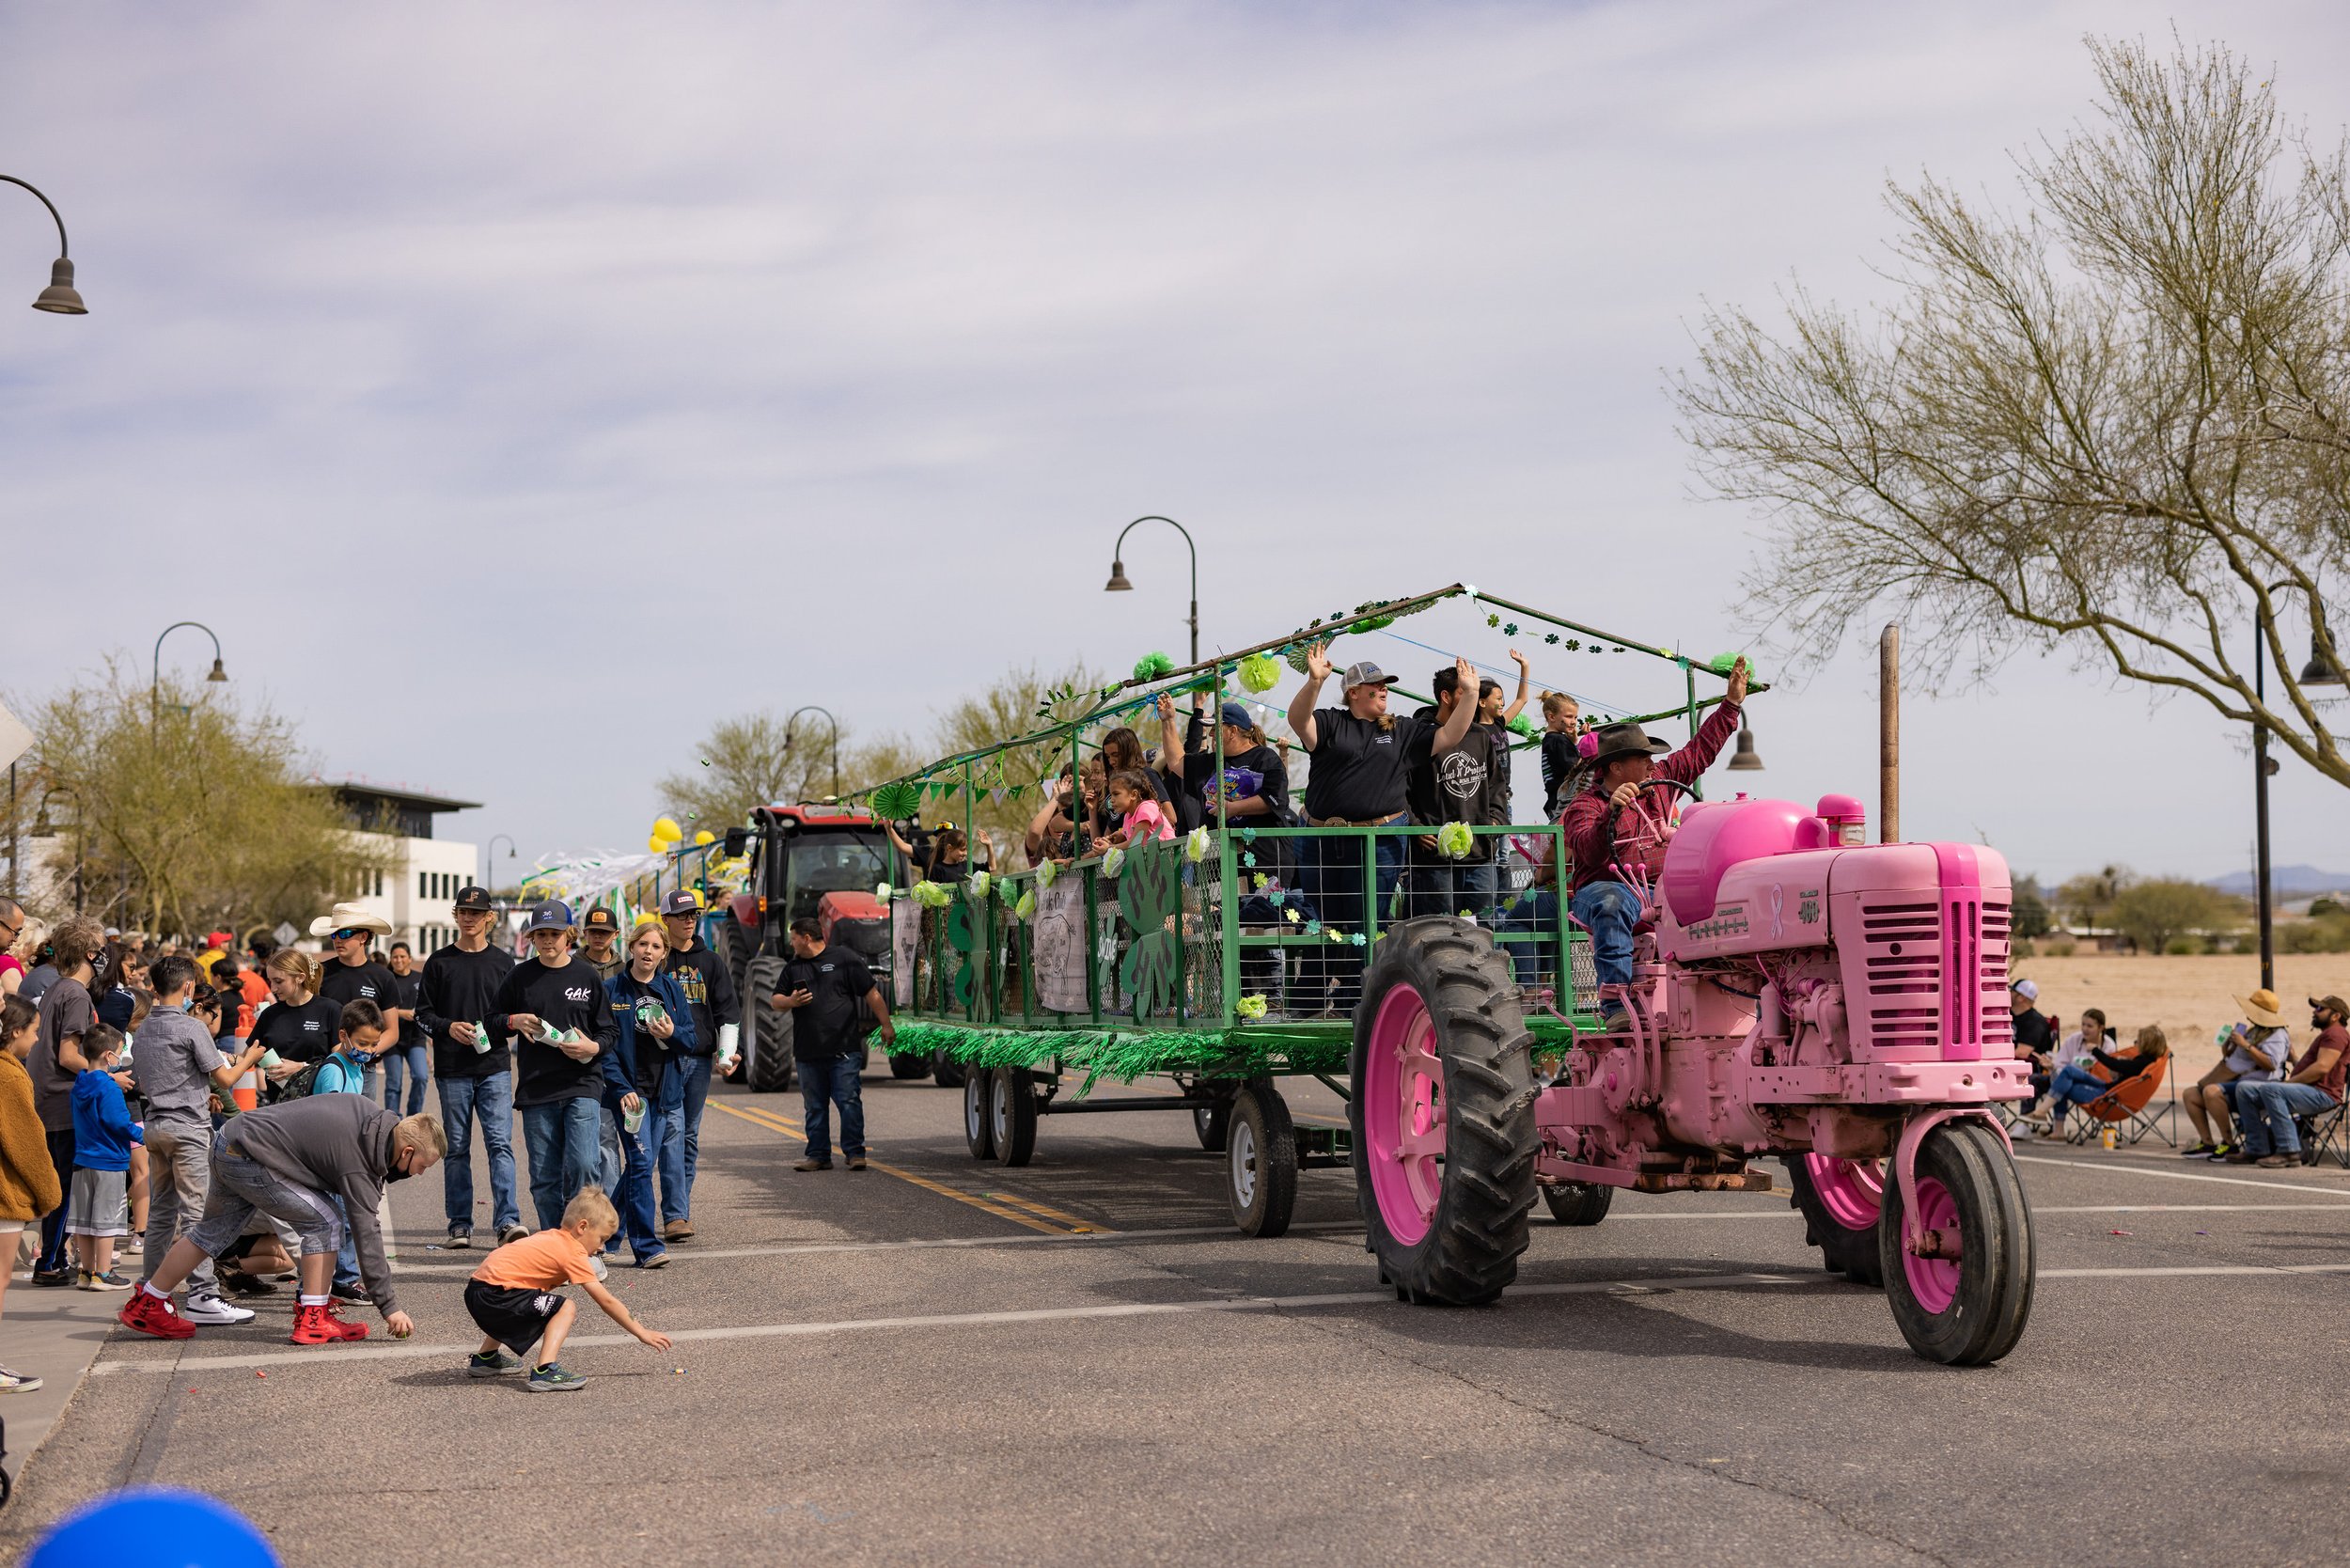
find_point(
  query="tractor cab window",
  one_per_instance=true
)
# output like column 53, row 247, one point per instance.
column 834, row 862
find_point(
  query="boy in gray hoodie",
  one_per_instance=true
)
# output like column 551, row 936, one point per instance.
column 290, row 1161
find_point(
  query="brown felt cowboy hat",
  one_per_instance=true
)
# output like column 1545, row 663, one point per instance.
column 2261, row 1008
column 1624, row 739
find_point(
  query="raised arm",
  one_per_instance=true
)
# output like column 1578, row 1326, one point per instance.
column 1456, row 728
column 1526, row 687
column 1301, row 714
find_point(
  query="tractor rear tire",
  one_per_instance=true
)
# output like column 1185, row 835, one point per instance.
column 909, row 1067
column 767, row 1043
column 1968, row 1313
column 946, row 1071
column 1836, row 1198
column 979, row 1114
column 1260, row 1160
column 1213, row 1125
column 1012, row 1112
column 1579, row 1202
column 1443, row 1113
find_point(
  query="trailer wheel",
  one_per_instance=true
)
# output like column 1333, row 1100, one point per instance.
column 1967, row 1310
column 946, row 1071
column 979, row 1115
column 1012, row 1115
column 1579, row 1202
column 767, row 1029
column 1260, row 1160
column 909, row 1067
column 1843, row 1205
column 1213, row 1123
column 1443, row 1113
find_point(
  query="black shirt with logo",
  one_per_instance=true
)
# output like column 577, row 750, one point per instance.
column 1358, row 767
column 304, row 1033
column 568, row 998
column 833, row 1023
column 360, row 983
column 1456, row 785
column 405, row 989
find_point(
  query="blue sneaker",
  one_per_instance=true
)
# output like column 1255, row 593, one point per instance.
column 495, row 1364
column 552, row 1379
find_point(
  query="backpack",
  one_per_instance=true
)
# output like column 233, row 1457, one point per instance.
column 300, row 1085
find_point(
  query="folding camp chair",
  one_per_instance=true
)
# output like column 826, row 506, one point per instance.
column 2321, row 1131
column 2129, row 1108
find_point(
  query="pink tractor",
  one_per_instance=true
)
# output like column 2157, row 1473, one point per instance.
column 1795, row 992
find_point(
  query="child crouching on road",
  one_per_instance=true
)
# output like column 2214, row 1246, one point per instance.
column 289, row 1161
column 516, row 1299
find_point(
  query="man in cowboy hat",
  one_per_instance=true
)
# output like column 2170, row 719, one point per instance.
column 1624, row 764
column 2253, row 1054
column 2266, row 1111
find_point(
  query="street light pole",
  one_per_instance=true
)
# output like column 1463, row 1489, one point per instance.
column 59, row 298
column 155, row 682
column 2318, row 672
column 812, row 708
column 490, row 852
column 43, row 827
column 1117, row 583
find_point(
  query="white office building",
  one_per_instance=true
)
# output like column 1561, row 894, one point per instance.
column 415, row 891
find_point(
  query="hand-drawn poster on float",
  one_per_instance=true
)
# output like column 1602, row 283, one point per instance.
column 905, row 937
column 1059, row 960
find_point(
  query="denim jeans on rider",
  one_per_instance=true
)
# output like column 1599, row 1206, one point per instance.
column 562, row 1138
column 1330, row 871
column 823, row 1084
column 1609, row 911
column 632, row 1191
column 2266, row 1112
column 408, row 1062
column 682, row 1092
column 1446, row 887
column 491, row 1099
column 1535, row 915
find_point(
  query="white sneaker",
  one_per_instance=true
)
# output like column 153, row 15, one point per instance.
column 17, row 1383
column 212, row 1311
column 604, row 1270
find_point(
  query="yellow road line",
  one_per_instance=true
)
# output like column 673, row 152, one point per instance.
column 1081, row 1226
column 776, row 1123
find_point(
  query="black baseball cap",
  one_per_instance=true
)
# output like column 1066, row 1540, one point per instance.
column 600, row 918
column 681, row 902
column 471, row 897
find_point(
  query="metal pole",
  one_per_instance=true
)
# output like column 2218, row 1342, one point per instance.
column 1119, row 550
column 155, row 680
column 812, row 708
column 2260, row 808
column 1889, row 736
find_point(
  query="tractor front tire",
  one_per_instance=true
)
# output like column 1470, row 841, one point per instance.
column 767, row 1067
column 1967, row 1310
column 1578, row 1203
column 1443, row 1113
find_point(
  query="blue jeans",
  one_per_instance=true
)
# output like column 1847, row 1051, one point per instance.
column 2073, row 1085
column 2266, row 1112
column 682, row 1092
column 411, row 1059
column 1609, row 911
column 840, row 1081
column 632, row 1194
column 561, row 1134
column 1535, row 915
column 1330, row 871
column 493, row 1100
column 1446, row 887
column 347, row 1255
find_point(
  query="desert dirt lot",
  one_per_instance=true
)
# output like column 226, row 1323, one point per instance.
column 2190, row 998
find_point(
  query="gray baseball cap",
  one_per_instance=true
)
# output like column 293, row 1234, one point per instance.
column 1364, row 673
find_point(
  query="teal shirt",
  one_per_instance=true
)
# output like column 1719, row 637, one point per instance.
column 340, row 1074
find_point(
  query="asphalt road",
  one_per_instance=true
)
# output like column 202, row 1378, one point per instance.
column 933, row 1362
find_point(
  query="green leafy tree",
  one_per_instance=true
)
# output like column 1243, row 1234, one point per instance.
column 2088, row 898
column 2157, row 910
column 190, row 813
column 2029, row 910
column 2116, row 423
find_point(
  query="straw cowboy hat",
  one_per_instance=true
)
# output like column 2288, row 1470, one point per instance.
column 2261, row 1008
column 350, row 917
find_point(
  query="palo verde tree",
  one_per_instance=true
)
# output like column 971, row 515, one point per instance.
column 187, row 812
column 2116, row 422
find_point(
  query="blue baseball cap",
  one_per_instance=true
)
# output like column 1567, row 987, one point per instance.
column 553, row 914
column 1236, row 714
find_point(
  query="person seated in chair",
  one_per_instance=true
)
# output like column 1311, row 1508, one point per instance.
column 1624, row 761
column 2076, row 1084
column 2266, row 1111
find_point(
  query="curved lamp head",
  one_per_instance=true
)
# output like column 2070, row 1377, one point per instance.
column 59, row 298
column 1743, row 759
column 218, row 674
column 2317, row 672
column 1117, row 583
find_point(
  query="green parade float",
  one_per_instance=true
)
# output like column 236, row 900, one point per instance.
column 1183, row 960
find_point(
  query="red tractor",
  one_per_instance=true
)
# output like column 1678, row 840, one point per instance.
column 817, row 860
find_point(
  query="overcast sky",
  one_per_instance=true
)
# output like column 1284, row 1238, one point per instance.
column 519, row 389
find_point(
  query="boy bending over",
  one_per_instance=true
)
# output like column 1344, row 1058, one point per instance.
column 515, row 1295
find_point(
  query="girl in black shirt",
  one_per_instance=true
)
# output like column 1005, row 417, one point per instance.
column 301, row 1025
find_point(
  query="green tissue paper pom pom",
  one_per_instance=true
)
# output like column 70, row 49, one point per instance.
column 882, row 892
column 1250, row 1006
column 1026, row 906
column 1722, row 664
column 1454, row 839
column 1260, row 672
column 1524, row 725
column 930, row 895
column 976, row 887
column 1197, row 845
column 1151, row 666
column 1046, row 872
column 1113, row 860
column 892, row 802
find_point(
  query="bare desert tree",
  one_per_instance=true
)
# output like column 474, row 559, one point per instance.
column 2115, row 423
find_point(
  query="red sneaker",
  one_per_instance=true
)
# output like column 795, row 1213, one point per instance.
column 311, row 1327
column 344, row 1326
column 151, row 1316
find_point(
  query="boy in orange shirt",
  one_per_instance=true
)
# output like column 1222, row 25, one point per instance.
column 515, row 1295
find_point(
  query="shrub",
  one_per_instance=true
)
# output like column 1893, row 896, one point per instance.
column 2185, row 946
column 2023, row 949
column 2060, row 948
column 2328, row 933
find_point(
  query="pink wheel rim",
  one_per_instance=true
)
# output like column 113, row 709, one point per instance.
column 1402, row 1094
column 1851, row 1191
column 1934, row 1280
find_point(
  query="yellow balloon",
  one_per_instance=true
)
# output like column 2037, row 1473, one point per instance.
column 705, row 837
column 655, row 845
column 666, row 828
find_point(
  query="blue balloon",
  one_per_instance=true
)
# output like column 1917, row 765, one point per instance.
column 154, row 1527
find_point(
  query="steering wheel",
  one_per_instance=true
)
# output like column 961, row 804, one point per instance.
column 1650, row 826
